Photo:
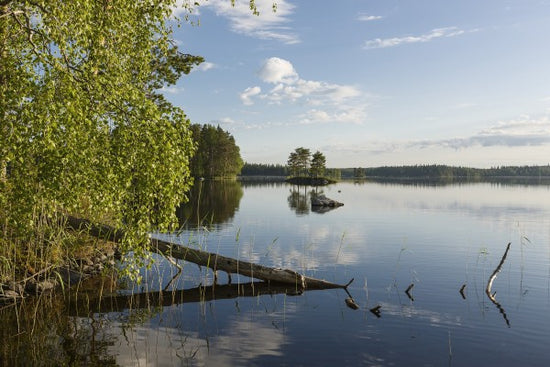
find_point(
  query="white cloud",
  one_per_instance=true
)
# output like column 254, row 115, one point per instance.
column 350, row 114
column 171, row 90
column 368, row 18
column 396, row 41
column 289, row 87
column 268, row 25
column 314, row 92
column 205, row 66
column 248, row 93
column 184, row 7
column 276, row 70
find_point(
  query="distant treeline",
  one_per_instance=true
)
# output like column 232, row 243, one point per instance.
column 260, row 169
column 443, row 171
column 417, row 171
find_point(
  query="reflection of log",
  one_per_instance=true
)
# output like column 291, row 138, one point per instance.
column 211, row 260
column 490, row 284
column 81, row 304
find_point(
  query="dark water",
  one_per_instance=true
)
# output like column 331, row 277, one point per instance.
column 386, row 236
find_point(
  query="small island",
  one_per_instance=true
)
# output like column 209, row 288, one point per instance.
column 307, row 169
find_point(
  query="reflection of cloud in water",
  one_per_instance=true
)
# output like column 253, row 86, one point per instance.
column 141, row 346
column 484, row 201
column 432, row 317
column 323, row 249
column 245, row 340
column 288, row 257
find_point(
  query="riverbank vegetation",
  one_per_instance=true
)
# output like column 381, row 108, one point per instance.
column 85, row 129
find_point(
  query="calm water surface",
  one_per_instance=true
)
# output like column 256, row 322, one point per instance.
column 386, row 237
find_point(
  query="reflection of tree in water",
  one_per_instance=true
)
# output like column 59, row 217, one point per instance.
column 90, row 329
column 210, row 202
column 299, row 199
column 38, row 332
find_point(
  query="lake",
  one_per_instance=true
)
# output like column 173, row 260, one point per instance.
column 443, row 240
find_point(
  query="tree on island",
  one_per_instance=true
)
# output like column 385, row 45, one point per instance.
column 359, row 172
column 318, row 165
column 299, row 161
column 302, row 164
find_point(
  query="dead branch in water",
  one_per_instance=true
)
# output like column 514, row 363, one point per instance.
column 408, row 292
column 490, row 284
column 461, row 291
column 376, row 311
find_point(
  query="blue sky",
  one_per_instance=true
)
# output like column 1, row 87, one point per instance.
column 371, row 83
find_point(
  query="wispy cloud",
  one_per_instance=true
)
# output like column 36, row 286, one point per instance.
column 269, row 25
column 171, row 90
column 525, row 131
column 182, row 8
column 205, row 66
column 248, row 93
column 368, row 18
column 522, row 132
column 351, row 114
column 427, row 37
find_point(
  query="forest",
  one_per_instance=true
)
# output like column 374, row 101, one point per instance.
column 217, row 155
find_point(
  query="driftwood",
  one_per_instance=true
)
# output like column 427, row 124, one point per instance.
column 211, row 260
column 490, row 284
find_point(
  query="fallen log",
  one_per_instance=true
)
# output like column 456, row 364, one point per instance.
column 211, row 260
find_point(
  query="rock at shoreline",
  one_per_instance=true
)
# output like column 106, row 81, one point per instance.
column 68, row 275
